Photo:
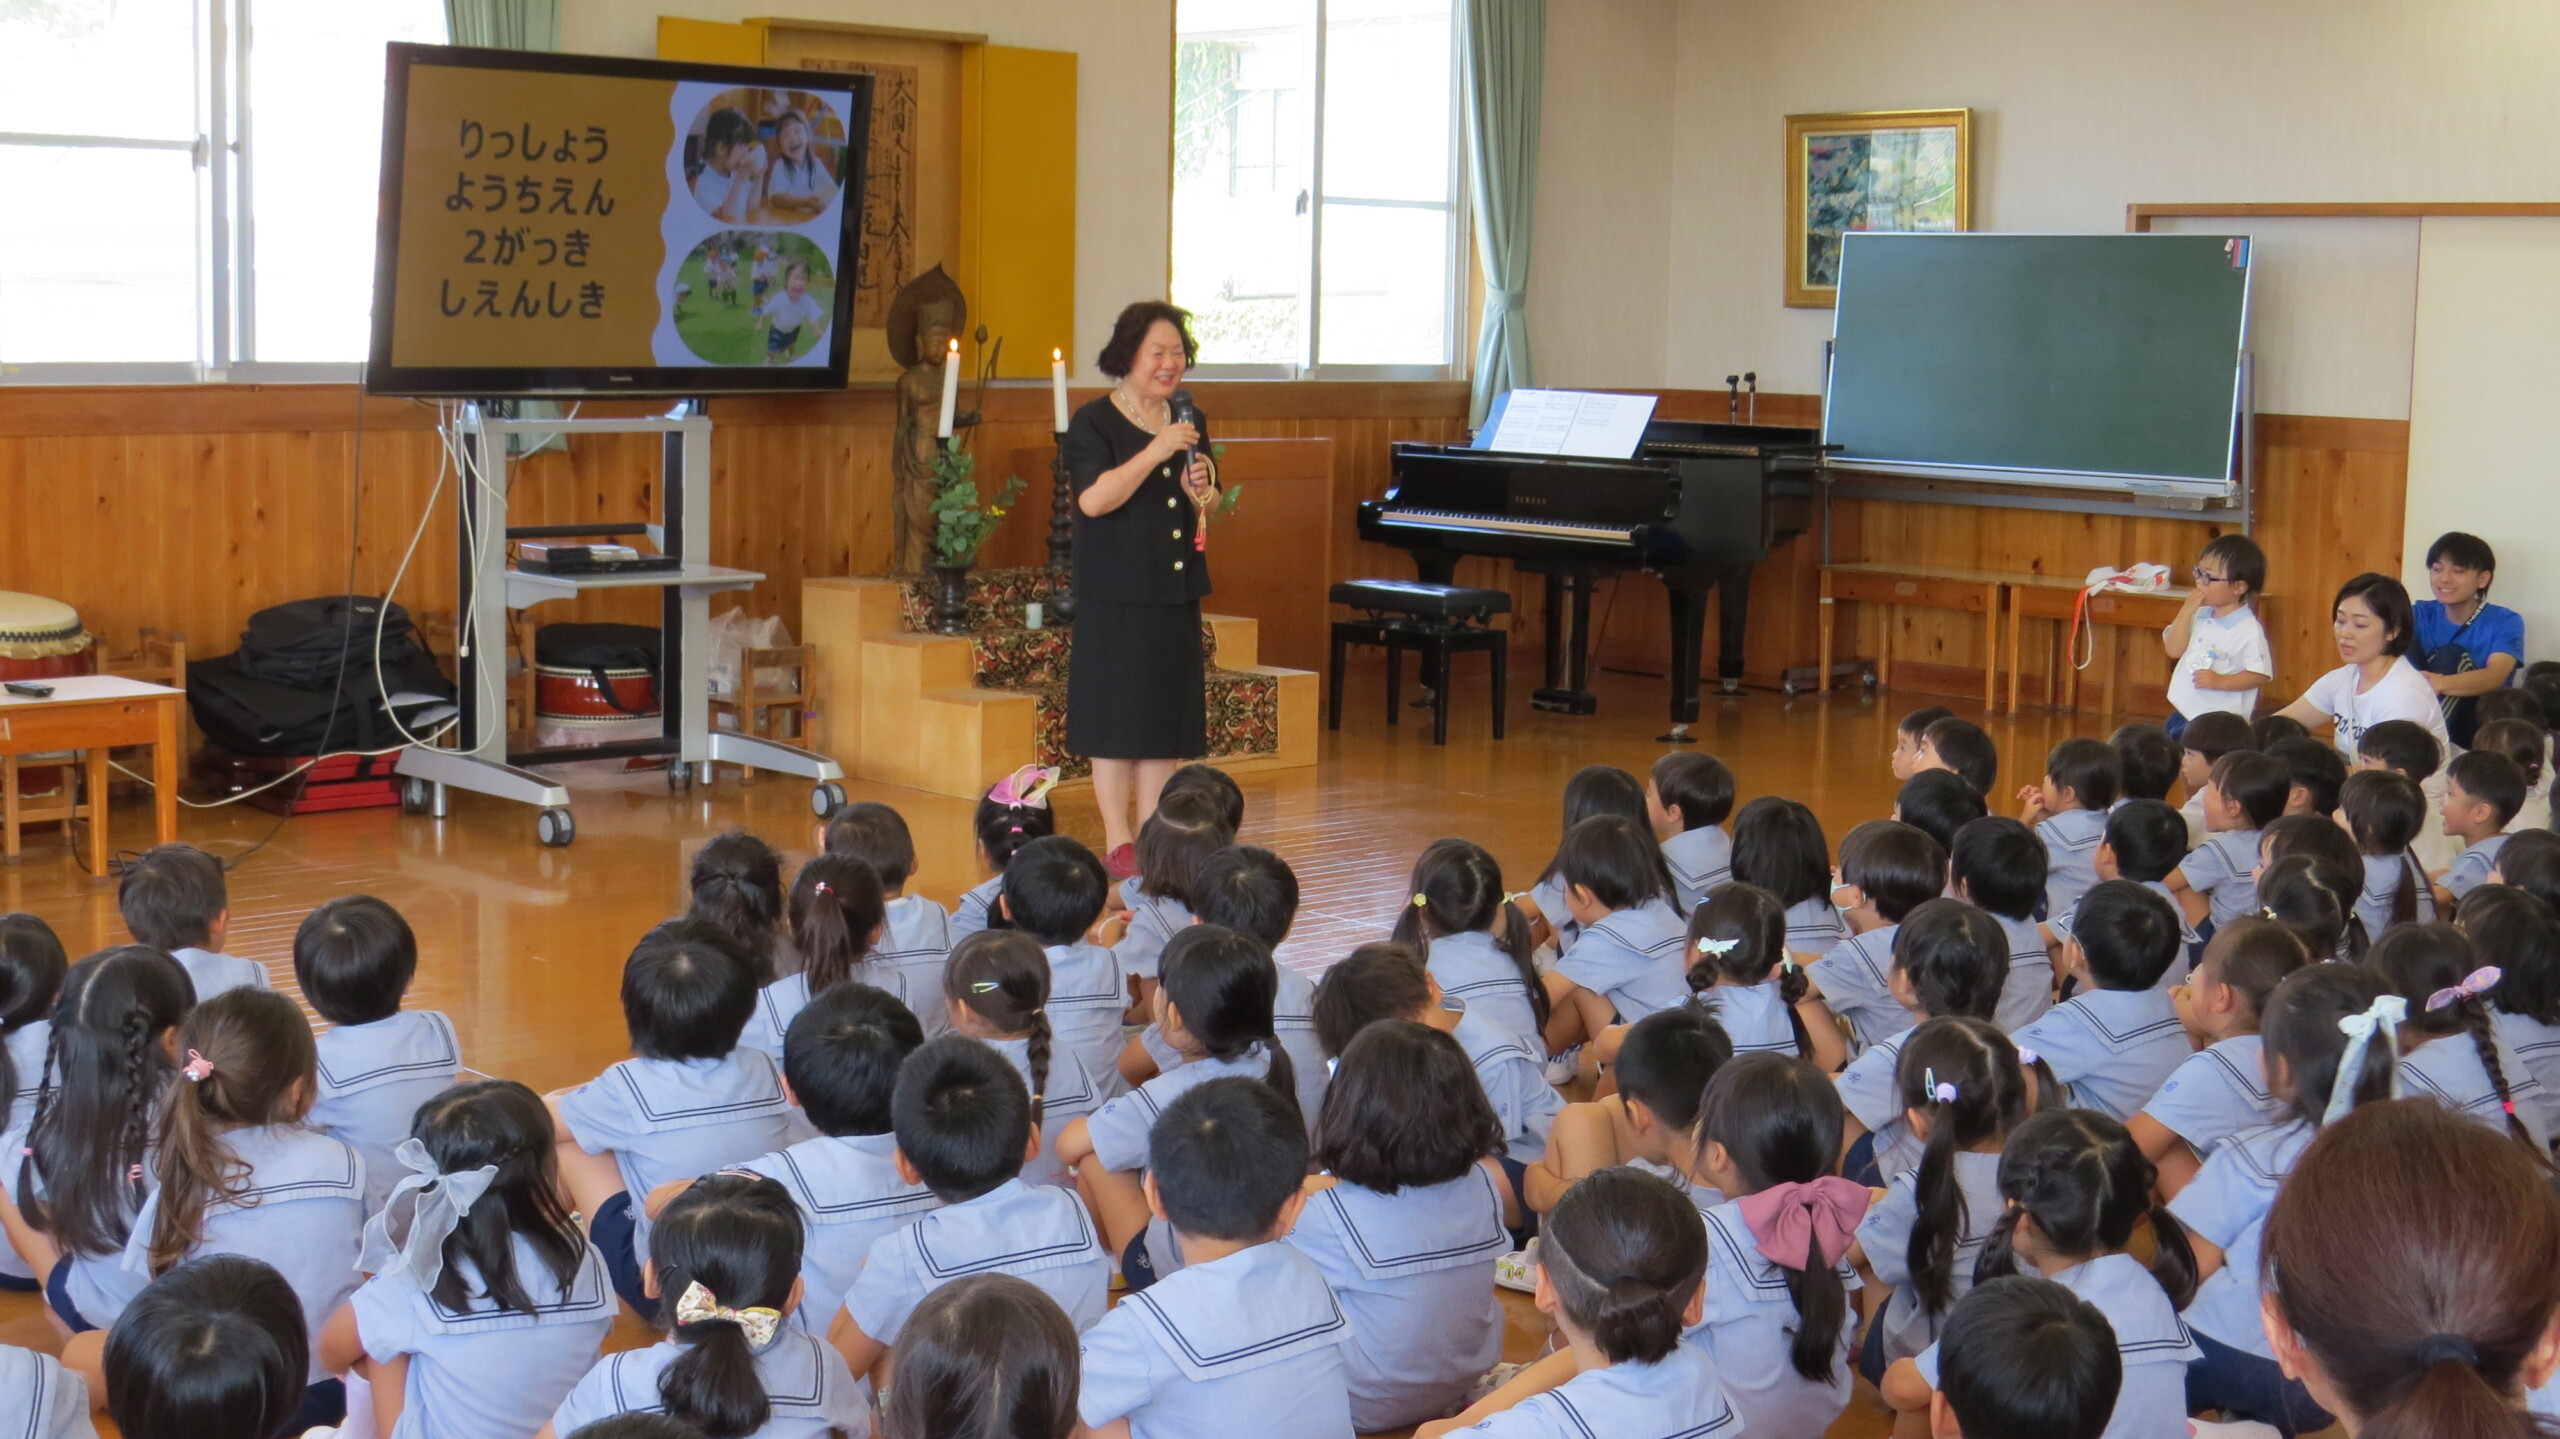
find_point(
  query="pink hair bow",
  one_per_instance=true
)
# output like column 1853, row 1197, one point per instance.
column 197, row 1068
column 2475, row 984
column 1789, row 1221
column 1025, row 788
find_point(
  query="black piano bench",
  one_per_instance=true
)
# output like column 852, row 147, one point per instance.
column 1436, row 621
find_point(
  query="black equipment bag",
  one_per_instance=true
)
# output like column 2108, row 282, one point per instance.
column 250, row 716
column 298, row 644
column 598, row 648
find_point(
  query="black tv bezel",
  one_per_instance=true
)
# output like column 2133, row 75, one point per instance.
column 382, row 377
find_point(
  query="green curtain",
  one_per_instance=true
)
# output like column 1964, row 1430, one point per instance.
column 1505, row 50
column 503, row 24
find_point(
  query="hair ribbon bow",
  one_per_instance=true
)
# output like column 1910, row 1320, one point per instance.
column 1719, row 948
column 437, row 1203
column 1025, row 788
column 197, row 1069
column 1798, row 1225
column 2475, row 984
column 697, row 1305
column 2384, row 1018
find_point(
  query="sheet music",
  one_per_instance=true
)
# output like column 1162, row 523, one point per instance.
column 1572, row 422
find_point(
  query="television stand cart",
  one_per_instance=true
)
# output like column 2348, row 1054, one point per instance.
column 479, row 760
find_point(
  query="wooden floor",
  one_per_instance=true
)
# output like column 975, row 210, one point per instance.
column 523, row 946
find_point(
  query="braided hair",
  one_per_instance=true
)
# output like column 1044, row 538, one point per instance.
column 1002, row 976
column 2420, row 961
column 104, row 1070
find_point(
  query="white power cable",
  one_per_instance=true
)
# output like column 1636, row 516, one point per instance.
column 292, row 773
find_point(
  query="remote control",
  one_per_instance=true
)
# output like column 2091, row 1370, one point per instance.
column 30, row 689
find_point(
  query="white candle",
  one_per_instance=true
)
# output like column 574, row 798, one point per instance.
column 1031, row 615
column 1058, row 391
column 950, row 390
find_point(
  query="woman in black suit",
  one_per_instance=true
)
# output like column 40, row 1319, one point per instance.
column 1134, row 677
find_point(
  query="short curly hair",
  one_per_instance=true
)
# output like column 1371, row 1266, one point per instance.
column 1130, row 331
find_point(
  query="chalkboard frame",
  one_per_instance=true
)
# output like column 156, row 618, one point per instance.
column 2184, row 487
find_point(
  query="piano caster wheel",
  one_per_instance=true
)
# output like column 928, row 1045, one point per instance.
column 1790, row 688
column 1869, row 680
column 1679, row 735
column 1729, row 688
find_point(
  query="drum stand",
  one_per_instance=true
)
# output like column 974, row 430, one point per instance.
column 478, row 759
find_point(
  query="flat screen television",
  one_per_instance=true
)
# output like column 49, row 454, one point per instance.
column 578, row 225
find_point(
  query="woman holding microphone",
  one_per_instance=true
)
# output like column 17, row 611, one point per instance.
column 1134, row 676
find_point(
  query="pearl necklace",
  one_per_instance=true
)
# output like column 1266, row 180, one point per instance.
column 1135, row 415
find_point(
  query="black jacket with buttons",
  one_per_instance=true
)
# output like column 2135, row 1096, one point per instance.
column 1140, row 553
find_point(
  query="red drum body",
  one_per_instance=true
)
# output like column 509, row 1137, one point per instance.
column 575, row 694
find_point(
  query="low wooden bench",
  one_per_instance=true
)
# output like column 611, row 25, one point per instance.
column 1932, row 587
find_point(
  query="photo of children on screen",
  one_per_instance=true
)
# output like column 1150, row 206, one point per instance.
column 765, row 157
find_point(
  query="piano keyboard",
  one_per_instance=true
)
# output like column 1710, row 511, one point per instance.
column 1496, row 524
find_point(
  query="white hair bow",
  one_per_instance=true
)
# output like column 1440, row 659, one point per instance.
column 438, row 1202
column 1718, row 947
column 2385, row 1018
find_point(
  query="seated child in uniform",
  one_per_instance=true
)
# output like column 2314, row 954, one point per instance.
column 727, row 1266
column 1213, row 1008
column 687, row 1102
column 1054, row 891
column 1474, row 939
column 919, row 937
column 1949, row 958
column 2201, row 746
column 1250, row 890
column 1247, row 1331
column 2024, row 1355
column 1886, row 871
column 354, row 957
column 2147, row 761
column 1010, row 815
column 1622, row 1272
column 1997, row 865
column 1379, row 982
column 2144, row 843
column 2244, row 794
column 2069, row 812
column 1906, row 738
column 1625, row 964
column 2314, row 772
column 964, row 1132
column 1962, row 746
column 1405, row 1219
column 985, row 1355
column 2081, row 1179
column 2483, row 789
column 736, row 883
column 214, row 1349
column 1689, row 796
column 173, row 897
column 1662, row 1068
column 2222, row 1089
column 1938, row 802
column 2118, row 1039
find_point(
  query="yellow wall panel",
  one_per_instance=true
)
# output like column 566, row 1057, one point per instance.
column 1018, row 202
column 709, row 40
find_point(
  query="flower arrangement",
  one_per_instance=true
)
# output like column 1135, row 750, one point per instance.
column 962, row 519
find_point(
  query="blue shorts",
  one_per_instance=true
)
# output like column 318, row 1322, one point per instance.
column 1518, row 1174
column 1136, row 1269
column 779, row 342
column 19, row 1284
column 323, row 1404
column 2248, row 1386
column 57, row 1297
column 616, row 1232
column 2175, row 724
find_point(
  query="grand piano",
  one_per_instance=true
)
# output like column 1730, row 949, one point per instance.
column 1698, row 506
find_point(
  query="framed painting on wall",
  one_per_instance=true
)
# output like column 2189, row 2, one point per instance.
column 1871, row 170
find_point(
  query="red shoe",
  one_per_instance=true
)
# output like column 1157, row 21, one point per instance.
column 1121, row 863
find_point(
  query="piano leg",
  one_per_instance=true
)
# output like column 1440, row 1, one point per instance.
column 1733, row 611
column 1570, row 655
column 1688, row 633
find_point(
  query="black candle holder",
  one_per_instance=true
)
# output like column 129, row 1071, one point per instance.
column 1062, row 539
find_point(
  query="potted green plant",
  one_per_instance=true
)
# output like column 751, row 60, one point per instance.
column 962, row 520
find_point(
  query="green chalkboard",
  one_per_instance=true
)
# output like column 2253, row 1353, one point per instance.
column 2105, row 361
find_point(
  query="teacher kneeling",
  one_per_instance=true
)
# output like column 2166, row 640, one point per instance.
column 1134, row 676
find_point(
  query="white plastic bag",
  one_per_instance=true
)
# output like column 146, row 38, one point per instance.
column 736, row 631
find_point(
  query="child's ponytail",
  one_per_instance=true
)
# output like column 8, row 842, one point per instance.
column 837, row 906
column 1624, row 1252
column 1964, row 1074
column 727, row 1252
column 1224, row 983
column 1014, row 813
column 1779, row 1120
column 248, row 1060
column 1456, row 888
column 2085, row 1180
column 1002, row 976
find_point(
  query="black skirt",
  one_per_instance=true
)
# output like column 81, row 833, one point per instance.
column 1134, row 682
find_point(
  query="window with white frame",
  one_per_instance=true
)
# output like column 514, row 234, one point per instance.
column 1317, row 215
column 191, row 184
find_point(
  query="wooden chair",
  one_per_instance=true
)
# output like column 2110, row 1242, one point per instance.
column 762, row 713
column 153, row 660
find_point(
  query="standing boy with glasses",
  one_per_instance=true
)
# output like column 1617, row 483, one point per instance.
column 2220, row 648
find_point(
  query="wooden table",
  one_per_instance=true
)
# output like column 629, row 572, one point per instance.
column 1933, row 587
column 97, row 713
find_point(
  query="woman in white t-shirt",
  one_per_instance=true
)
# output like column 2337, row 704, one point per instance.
column 2372, row 620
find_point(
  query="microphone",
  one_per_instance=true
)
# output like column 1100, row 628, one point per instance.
column 1182, row 411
